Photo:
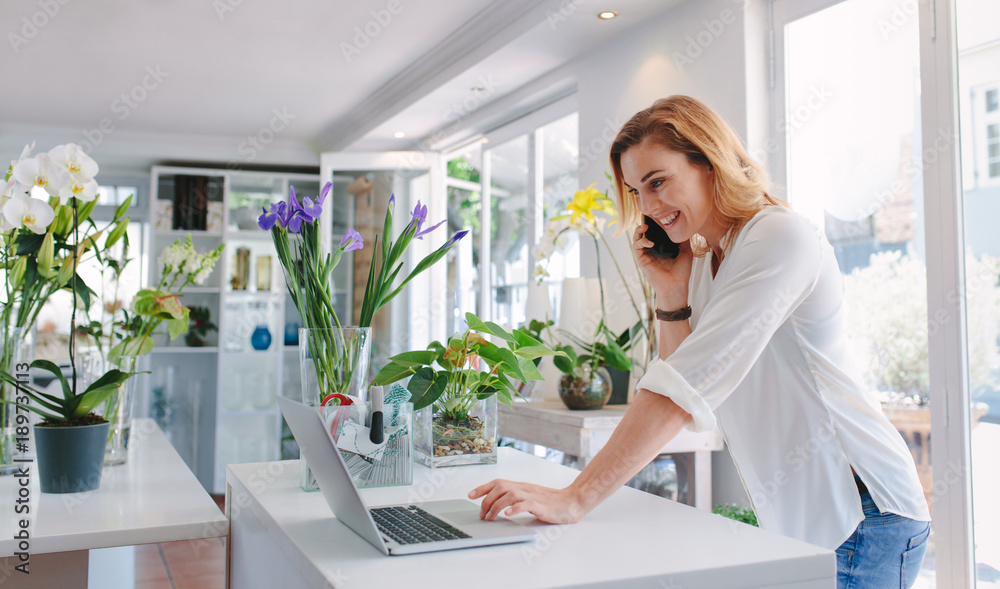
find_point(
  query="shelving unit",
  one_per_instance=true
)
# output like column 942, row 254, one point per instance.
column 217, row 403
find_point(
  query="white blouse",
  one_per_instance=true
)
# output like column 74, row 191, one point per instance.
column 768, row 359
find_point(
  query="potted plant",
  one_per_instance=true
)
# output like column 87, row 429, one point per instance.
column 70, row 439
column 586, row 381
column 455, row 388
column 200, row 325
column 584, row 215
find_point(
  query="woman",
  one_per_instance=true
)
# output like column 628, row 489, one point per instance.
column 752, row 339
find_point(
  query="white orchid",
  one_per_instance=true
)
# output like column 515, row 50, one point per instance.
column 81, row 189
column 76, row 163
column 7, row 192
column 32, row 213
column 41, row 171
column 24, row 154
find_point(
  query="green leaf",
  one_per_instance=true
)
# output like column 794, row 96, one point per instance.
column 475, row 323
column 499, row 331
column 178, row 327
column 568, row 361
column 512, row 363
column 112, row 378
column 84, row 292
column 535, row 351
column 426, row 387
column 391, row 373
column 49, row 366
column 123, row 207
column 28, row 243
column 133, row 346
column 529, row 370
column 415, row 358
column 525, row 339
column 116, row 233
column 615, row 357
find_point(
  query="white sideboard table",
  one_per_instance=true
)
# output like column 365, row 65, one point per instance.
column 281, row 536
column 151, row 498
column 583, row 433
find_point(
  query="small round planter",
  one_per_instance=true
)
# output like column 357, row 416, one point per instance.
column 70, row 458
column 590, row 391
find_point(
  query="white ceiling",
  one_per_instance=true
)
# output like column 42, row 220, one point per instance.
column 226, row 67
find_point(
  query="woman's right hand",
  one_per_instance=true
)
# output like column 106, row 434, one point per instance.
column 667, row 276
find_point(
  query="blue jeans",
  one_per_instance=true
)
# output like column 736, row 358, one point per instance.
column 884, row 552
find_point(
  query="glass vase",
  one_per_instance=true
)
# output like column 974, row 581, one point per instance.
column 440, row 441
column 331, row 360
column 117, row 409
column 17, row 350
column 589, row 390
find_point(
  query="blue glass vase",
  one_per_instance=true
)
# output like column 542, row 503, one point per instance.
column 261, row 338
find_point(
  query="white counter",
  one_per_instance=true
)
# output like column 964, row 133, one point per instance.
column 151, row 498
column 281, row 536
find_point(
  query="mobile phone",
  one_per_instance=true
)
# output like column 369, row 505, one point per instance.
column 662, row 246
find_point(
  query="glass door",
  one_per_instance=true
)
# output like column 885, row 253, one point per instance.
column 363, row 184
column 978, row 49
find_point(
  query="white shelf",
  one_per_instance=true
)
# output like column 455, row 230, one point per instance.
column 248, row 234
column 183, row 232
column 186, row 350
column 202, row 290
column 270, row 351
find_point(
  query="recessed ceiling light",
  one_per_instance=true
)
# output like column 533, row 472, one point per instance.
column 607, row 15
column 399, row 134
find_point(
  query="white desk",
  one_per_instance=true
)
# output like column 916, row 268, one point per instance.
column 153, row 497
column 583, row 433
column 281, row 536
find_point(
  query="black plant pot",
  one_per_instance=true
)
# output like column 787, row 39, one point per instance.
column 619, row 386
column 70, row 458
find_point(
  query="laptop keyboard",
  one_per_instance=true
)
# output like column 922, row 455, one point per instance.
column 408, row 524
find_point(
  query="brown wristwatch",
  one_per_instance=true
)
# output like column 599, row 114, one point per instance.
column 678, row 315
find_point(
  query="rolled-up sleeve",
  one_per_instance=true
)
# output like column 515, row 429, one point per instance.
column 771, row 269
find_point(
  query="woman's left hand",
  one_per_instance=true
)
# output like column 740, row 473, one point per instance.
column 554, row 506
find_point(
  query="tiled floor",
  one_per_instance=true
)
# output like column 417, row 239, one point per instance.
column 189, row 564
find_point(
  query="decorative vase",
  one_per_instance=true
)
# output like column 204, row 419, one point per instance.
column 70, row 458
column 17, row 349
column 118, row 408
column 445, row 442
column 589, row 391
column 332, row 360
column 261, row 338
column 619, row 385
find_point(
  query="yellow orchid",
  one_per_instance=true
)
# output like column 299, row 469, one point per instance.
column 586, row 201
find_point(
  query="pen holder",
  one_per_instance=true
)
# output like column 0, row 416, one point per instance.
column 392, row 464
column 387, row 464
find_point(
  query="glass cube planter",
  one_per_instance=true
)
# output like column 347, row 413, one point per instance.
column 443, row 442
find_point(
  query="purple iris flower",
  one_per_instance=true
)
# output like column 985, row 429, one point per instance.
column 296, row 213
column 352, row 241
column 311, row 209
column 323, row 193
column 456, row 238
column 270, row 217
column 419, row 216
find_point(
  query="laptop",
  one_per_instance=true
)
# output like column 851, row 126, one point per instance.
column 415, row 528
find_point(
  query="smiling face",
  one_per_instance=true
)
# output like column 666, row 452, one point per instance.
column 672, row 190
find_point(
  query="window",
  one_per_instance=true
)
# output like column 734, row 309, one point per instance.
column 993, row 149
column 992, row 100
column 115, row 195
column 532, row 175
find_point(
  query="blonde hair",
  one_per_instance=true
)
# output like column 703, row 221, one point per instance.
column 688, row 126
